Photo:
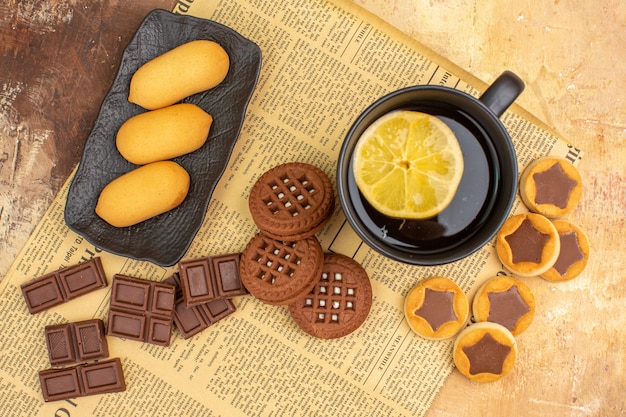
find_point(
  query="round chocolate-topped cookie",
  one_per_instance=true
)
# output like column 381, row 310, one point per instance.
column 528, row 244
column 506, row 301
column 340, row 301
column 436, row 308
column 550, row 186
column 573, row 254
column 485, row 352
column 292, row 201
column 279, row 272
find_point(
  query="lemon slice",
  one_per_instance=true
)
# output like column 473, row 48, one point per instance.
column 408, row 165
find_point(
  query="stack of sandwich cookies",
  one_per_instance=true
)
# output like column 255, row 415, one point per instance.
column 329, row 296
column 528, row 244
column 340, row 301
column 506, row 301
column 485, row 352
column 550, row 186
column 573, row 254
column 436, row 308
column 292, row 201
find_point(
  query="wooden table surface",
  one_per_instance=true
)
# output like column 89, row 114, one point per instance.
column 60, row 57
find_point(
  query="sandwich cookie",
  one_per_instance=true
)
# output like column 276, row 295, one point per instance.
column 340, row 301
column 436, row 308
column 528, row 244
column 506, row 301
column 278, row 272
column 550, row 186
column 292, row 201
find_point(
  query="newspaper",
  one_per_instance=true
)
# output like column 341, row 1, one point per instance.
column 323, row 62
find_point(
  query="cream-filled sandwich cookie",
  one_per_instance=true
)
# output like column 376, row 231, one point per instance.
column 528, row 244
column 550, row 186
column 506, row 301
column 292, row 201
column 340, row 301
column 436, row 308
column 573, row 254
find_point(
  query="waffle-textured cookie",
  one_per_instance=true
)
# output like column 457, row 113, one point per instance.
column 573, row 254
column 340, row 301
column 550, row 186
column 506, row 301
column 528, row 244
column 292, row 201
column 279, row 272
column 485, row 352
column 436, row 308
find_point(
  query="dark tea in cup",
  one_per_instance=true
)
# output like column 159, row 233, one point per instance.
column 484, row 196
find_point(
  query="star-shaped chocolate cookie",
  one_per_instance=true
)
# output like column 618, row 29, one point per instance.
column 487, row 355
column 527, row 243
column 507, row 307
column 553, row 186
column 437, row 308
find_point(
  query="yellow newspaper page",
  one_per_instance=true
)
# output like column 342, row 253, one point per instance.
column 323, row 63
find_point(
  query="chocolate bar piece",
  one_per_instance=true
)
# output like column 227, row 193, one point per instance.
column 209, row 278
column 82, row 380
column 226, row 276
column 196, row 281
column 141, row 310
column 63, row 285
column 71, row 343
column 192, row 320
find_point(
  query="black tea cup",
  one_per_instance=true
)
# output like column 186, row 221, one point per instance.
column 487, row 190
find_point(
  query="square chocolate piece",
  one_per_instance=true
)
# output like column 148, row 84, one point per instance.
column 60, row 384
column 196, row 281
column 226, row 275
column 141, row 310
column 102, row 377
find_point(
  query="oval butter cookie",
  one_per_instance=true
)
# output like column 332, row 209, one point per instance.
column 178, row 73
column 163, row 134
column 143, row 193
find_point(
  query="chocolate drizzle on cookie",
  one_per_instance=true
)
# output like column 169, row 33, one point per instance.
column 506, row 307
column 437, row 308
column 487, row 355
column 527, row 243
column 553, row 186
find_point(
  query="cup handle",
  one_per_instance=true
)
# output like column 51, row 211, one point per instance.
column 502, row 92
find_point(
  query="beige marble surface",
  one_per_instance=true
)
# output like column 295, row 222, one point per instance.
column 570, row 53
